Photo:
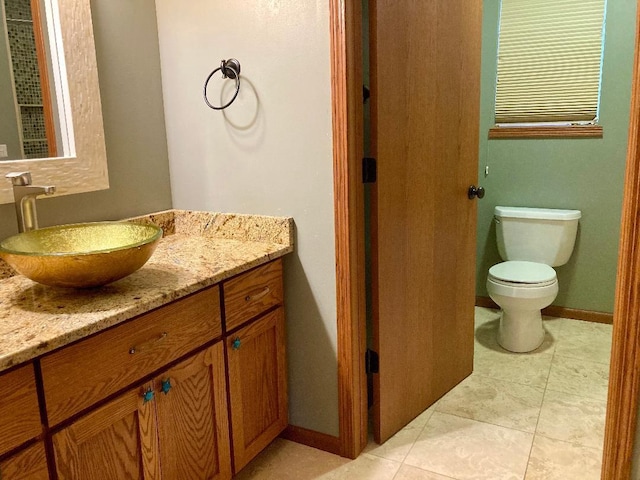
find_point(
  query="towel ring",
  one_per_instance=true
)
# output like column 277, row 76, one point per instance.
column 230, row 69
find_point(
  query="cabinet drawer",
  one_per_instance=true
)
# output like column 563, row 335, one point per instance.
column 19, row 411
column 252, row 293
column 27, row 464
column 82, row 374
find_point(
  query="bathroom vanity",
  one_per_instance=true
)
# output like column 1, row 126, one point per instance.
column 177, row 371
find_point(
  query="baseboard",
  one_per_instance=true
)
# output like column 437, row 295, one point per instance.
column 556, row 311
column 311, row 438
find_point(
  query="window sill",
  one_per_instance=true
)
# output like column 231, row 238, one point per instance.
column 573, row 131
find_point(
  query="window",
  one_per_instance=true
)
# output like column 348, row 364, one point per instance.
column 549, row 65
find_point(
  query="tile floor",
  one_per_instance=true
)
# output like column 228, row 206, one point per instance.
column 518, row 416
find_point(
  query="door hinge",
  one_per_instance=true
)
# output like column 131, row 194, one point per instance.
column 371, row 361
column 369, row 170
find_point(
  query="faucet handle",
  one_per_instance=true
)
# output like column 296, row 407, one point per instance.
column 19, row 178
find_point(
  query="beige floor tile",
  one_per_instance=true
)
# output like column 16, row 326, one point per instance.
column 285, row 460
column 586, row 340
column 397, row 447
column 365, row 467
column 494, row 401
column 466, row 449
column 579, row 377
column 523, row 368
column 483, row 315
column 572, row 419
column 556, row 460
column 554, row 325
column 407, row 472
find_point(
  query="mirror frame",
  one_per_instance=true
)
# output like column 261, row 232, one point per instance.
column 84, row 169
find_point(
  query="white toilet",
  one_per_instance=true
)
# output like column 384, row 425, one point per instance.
column 531, row 240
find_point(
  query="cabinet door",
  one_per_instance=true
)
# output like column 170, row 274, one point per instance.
column 27, row 464
column 19, row 411
column 258, row 385
column 117, row 441
column 193, row 425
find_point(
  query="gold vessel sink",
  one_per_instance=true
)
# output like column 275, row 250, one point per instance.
column 81, row 255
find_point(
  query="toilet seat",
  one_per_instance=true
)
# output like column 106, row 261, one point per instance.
column 521, row 274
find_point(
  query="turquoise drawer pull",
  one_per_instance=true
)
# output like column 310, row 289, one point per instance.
column 147, row 396
column 166, row 386
column 236, row 344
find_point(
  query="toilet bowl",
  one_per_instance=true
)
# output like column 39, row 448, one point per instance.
column 531, row 241
column 521, row 289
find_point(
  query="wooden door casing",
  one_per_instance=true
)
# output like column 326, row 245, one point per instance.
column 425, row 79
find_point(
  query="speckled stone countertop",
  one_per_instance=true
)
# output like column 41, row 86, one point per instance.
column 199, row 249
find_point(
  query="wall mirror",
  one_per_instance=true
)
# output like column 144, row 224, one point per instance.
column 75, row 156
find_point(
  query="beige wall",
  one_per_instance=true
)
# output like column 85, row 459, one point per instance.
column 129, row 70
column 268, row 153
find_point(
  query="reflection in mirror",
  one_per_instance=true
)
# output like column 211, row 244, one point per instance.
column 78, row 162
column 28, row 130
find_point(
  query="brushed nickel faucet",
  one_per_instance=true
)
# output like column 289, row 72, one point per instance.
column 25, row 195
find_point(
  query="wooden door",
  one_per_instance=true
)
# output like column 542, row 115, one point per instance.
column 193, row 423
column 257, row 385
column 27, row 464
column 115, row 441
column 425, row 79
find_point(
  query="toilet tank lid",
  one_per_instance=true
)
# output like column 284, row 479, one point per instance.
column 537, row 213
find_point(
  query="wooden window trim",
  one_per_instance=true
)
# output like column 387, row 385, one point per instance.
column 550, row 131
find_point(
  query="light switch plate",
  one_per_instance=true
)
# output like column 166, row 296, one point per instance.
column 3, row 151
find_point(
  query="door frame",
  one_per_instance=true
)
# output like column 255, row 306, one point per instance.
column 624, row 381
column 347, row 112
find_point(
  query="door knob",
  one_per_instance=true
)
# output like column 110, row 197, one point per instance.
column 475, row 192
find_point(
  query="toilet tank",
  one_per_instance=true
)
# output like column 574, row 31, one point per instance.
column 543, row 235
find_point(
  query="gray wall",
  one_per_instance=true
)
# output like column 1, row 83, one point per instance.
column 8, row 121
column 584, row 174
column 130, row 88
column 269, row 153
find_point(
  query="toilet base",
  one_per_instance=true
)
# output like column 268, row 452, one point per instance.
column 520, row 330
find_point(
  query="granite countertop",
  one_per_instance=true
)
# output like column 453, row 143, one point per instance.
column 198, row 249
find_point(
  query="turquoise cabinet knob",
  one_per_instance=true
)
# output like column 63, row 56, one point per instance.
column 147, row 396
column 236, row 343
column 166, row 386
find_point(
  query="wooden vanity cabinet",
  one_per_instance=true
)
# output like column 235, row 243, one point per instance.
column 112, row 416
column 257, row 385
column 19, row 410
column 252, row 293
column 20, row 423
column 173, row 427
column 80, row 375
column 256, row 361
column 117, row 440
column 27, row 464
column 193, row 419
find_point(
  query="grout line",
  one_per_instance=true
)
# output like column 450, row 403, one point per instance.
column 544, row 394
column 486, row 422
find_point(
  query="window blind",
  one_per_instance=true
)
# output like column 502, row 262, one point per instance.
column 549, row 60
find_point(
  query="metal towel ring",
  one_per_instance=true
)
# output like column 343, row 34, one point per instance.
column 230, row 69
